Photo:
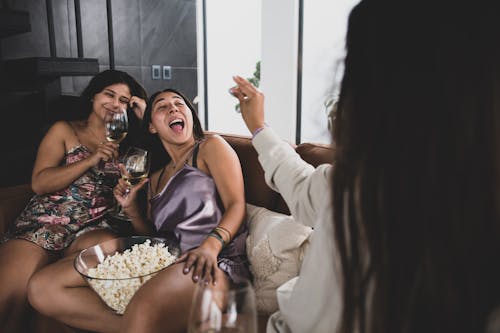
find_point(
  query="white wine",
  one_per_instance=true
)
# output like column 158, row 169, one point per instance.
column 134, row 178
column 116, row 136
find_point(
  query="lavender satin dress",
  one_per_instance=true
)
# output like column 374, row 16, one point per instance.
column 188, row 208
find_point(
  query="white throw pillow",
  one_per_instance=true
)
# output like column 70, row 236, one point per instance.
column 275, row 248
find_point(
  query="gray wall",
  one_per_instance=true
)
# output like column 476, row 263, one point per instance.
column 146, row 33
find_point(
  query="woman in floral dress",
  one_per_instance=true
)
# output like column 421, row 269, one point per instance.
column 72, row 178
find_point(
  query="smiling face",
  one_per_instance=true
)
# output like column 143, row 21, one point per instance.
column 171, row 118
column 111, row 99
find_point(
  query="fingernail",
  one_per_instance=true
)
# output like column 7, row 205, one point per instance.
column 195, row 277
column 186, row 270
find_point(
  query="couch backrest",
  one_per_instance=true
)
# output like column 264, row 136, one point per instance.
column 256, row 190
column 13, row 199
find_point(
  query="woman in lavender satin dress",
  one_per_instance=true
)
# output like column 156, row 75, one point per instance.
column 199, row 189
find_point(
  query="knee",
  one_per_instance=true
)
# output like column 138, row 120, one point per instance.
column 40, row 289
column 13, row 296
column 89, row 239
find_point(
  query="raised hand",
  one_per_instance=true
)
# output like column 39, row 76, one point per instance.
column 251, row 103
column 138, row 105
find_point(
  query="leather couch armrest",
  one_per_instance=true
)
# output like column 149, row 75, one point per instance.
column 12, row 201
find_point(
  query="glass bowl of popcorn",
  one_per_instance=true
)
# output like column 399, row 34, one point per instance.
column 117, row 268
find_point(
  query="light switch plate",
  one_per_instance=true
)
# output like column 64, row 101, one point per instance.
column 156, row 72
column 167, row 72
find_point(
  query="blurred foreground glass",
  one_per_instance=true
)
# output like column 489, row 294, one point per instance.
column 225, row 311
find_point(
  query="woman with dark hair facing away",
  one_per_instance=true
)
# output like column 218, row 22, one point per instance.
column 196, row 199
column 419, row 177
column 73, row 179
column 411, row 236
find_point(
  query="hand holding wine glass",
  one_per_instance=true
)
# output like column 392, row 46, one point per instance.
column 134, row 168
column 105, row 152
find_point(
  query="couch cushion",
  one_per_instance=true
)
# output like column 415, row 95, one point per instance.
column 275, row 248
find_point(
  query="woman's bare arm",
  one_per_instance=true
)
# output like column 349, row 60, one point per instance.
column 219, row 160
column 48, row 173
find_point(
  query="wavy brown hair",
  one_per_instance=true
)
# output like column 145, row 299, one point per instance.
column 416, row 177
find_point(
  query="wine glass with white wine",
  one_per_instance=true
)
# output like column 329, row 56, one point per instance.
column 136, row 163
column 116, row 125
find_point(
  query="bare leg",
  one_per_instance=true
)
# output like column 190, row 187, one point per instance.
column 163, row 303
column 19, row 260
column 60, row 292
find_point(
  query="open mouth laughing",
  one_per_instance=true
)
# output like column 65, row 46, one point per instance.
column 177, row 125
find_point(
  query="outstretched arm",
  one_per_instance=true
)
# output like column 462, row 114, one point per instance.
column 304, row 188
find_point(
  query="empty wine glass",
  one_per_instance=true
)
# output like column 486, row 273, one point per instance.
column 116, row 125
column 136, row 163
column 226, row 311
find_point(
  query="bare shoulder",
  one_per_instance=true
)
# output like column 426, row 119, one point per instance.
column 214, row 142
column 219, row 160
column 61, row 133
column 59, row 130
column 214, row 149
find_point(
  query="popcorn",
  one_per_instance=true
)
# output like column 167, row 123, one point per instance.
column 127, row 271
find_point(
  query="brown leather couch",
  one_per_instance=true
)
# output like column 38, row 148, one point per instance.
column 13, row 199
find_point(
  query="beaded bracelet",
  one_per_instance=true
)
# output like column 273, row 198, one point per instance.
column 218, row 237
column 225, row 231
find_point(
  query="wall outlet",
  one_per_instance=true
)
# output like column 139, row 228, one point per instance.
column 167, row 72
column 156, row 72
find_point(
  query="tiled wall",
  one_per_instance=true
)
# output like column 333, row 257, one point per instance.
column 145, row 33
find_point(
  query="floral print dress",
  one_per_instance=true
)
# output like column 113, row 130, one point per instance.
column 54, row 220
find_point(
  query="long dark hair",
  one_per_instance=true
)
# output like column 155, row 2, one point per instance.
column 103, row 80
column 415, row 183
column 153, row 143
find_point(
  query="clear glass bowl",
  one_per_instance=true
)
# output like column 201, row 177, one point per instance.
column 117, row 291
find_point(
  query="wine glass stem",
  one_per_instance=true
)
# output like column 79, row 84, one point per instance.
column 120, row 208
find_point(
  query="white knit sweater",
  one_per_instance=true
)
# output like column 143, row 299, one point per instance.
column 311, row 301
